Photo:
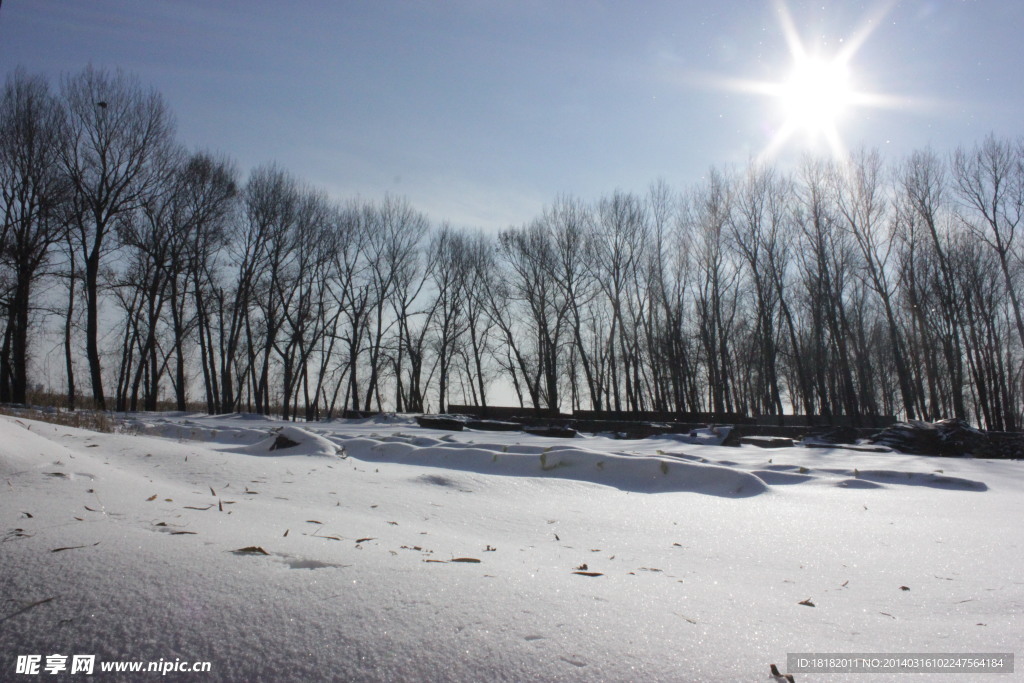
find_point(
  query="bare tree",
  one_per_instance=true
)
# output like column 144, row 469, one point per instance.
column 929, row 284
column 33, row 193
column 208, row 205
column 272, row 201
column 534, row 334
column 758, row 229
column 451, row 267
column 987, row 316
column 150, row 235
column 412, row 315
column 120, row 136
column 351, row 294
column 302, row 296
column 671, row 269
column 392, row 259
column 709, row 212
column 480, row 276
column 662, row 209
column 989, row 181
column 826, row 261
column 570, row 225
column 620, row 243
column 862, row 208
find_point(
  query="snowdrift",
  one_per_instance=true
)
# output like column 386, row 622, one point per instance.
column 23, row 449
column 289, row 440
column 642, row 474
column 378, row 551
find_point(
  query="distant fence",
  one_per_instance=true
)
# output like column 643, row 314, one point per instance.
column 725, row 418
column 873, row 421
column 503, row 412
column 661, row 416
column 513, row 412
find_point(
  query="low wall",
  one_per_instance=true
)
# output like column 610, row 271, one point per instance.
column 662, row 416
column 871, row 421
column 502, row 412
column 689, row 418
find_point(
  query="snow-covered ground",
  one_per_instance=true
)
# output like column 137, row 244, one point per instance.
column 378, row 550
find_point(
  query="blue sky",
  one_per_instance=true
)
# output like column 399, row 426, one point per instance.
column 483, row 111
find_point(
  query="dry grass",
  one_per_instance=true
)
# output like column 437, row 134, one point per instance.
column 82, row 419
column 48, row 399
column 51, row 407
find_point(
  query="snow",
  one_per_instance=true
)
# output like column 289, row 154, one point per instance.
column 703, row 553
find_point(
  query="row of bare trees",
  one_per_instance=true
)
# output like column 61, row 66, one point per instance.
column 847, row 287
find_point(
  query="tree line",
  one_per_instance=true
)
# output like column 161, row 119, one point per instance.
column 850, row 286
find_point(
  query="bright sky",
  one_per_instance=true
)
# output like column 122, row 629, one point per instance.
column 483, row 111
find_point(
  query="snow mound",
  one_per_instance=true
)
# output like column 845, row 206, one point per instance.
column 858, row 484
column 289, row 440
column 781, row 478
column 21, row 449
column 641, row 474
column 930, row 479
column 781, row 475
column 191, row 430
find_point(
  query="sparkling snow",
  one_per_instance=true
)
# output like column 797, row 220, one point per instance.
column 396, row 553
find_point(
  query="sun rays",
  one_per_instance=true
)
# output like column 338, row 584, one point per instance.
column 820, row 90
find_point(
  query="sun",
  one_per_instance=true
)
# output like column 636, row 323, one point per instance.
column 813, row 100
column 820, row 90
column 816, row 95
